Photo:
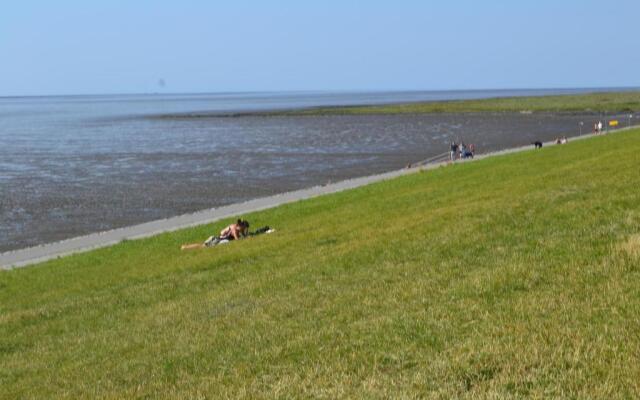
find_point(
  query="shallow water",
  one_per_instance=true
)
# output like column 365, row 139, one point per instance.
column 72, row 166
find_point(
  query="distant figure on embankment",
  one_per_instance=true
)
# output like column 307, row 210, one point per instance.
column 461, row 151
column 597, row 127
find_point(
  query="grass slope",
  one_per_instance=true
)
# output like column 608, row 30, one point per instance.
column 513, row 276
column 613, row 102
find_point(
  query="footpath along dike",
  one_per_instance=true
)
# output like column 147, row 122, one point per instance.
column 37, row 254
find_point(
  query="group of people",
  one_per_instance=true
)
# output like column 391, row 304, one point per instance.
column 597, row 127
column 240, row 229
column 235, row 231
column 460, row 151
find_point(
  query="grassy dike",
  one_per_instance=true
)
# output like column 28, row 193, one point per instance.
column 611, row 102
column 512, row 276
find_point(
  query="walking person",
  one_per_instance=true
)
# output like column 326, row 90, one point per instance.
column 454, row 150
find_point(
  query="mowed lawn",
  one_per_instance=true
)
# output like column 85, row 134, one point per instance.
column 514, row 276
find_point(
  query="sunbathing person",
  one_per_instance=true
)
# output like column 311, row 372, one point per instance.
column 232, row 232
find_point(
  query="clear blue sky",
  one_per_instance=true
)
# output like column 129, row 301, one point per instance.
column 70, row 47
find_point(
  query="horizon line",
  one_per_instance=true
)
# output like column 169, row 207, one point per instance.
column 302, row 91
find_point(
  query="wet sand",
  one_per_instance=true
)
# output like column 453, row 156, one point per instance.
column 178, row 166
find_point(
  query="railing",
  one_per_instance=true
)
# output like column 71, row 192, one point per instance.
column 437, row 158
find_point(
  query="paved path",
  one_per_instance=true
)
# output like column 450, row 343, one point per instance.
column 32, row 255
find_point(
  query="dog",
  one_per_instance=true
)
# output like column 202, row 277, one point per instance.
column 538, row 144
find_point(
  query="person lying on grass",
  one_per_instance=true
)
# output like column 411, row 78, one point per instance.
column 232, row 232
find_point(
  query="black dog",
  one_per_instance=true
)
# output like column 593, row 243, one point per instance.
column 537, row 144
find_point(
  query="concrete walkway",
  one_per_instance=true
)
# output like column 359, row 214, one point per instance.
column 32, row 255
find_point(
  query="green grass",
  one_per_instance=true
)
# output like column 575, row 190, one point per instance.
column 515, row 276
column 613, row 102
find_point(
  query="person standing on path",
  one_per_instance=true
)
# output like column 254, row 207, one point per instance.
column 454, row 151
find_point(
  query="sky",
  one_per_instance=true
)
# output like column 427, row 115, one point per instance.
column 95, row 47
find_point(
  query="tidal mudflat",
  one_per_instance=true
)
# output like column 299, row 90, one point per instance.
column 126, row 171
